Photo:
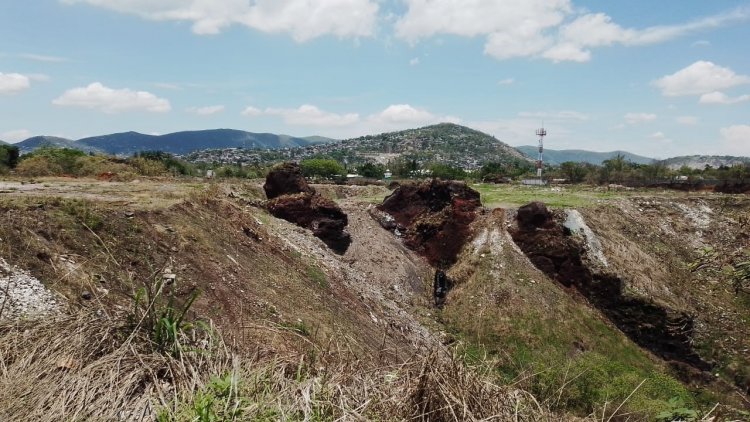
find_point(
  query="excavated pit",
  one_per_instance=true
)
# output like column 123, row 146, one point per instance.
column 433, row 218
column 561, row 256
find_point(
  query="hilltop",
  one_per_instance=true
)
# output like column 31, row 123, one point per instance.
column 35, row 142
column 447, row 143
column 699, row 162
column 556, row 157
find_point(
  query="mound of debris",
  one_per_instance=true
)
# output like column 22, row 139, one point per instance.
column 291, row 198
column 553, row 249
column 433, row 217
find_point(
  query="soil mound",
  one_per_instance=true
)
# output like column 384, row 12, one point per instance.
column 551, row 248
column 284, row 179
column 291, row 198
column 434, row 217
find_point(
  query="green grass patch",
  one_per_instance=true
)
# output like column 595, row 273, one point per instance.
column 512, row 196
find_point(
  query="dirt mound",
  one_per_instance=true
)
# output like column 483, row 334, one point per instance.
column 312, row 211
column 551, row 248
column 286, row 178
column 433, row 217
column 291, row 198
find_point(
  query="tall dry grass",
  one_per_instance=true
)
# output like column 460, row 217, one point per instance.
column 96, row 368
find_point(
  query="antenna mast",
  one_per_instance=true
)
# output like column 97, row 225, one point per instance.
column 541, row 133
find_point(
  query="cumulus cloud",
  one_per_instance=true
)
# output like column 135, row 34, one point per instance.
column 506, row 81
column 717, row 97
column 17, row 135
column 251, row 111
column 302, row 19
column 414, row 61
column 12, row 83
column 552, row 29
column 310, row 115
column 207, row 110
column 99, row 97
column 736, row 139
column 635, row 118
column 701, row 77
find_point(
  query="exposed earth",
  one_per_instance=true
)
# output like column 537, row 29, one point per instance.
column 617, row 291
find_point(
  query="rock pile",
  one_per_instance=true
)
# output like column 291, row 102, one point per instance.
column 434, row 217
column 22, row 295
column 291, row 198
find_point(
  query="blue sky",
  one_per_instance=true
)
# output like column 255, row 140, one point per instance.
column 657, row 78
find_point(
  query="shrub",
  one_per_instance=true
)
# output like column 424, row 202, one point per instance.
column 39, row 166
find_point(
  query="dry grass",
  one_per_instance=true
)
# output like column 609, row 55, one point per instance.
column 89, row 367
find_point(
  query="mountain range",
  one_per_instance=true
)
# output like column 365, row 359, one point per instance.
column 699, row 162
column 556, row 157
column 128, row 143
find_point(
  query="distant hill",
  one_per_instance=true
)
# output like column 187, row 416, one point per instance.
column 3, row 142
column 179, row 143
column 185, row 142
column 35, row 142
column 319, row 139
column 555, row 157
column 701, row 161
column 444, row 143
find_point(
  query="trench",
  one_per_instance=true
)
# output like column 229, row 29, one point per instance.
column 665, row 332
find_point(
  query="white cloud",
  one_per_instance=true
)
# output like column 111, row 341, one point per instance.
column 99, row 97
column 635, row 118
column 399, row 114
column 701, row 77
column 701, row 43
column 251, row 111
column 43, row 58
column 736, row 139
column 414, row 61
column 310, row 115
column 552, row 29
column 12, row 83
column 206, row 111
column 687, row 120
column 506, row 81
column 302, row 19
column 13, row 136
column 717, row 97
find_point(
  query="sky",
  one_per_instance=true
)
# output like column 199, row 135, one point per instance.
column 660, row 79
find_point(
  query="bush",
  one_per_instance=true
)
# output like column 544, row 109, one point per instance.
column 8, row 156
column 146, row 167
column 39, row 166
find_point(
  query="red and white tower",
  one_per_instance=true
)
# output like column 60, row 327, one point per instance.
column 541, row 133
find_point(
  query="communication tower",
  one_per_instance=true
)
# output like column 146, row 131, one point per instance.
column 541, row 133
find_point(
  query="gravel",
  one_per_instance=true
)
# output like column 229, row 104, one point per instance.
column 22, row 295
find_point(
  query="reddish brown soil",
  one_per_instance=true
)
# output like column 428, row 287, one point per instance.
column 434, row 217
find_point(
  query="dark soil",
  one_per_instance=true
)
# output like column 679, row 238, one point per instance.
column 434, row 217
column 291, row 198
column 665, row 332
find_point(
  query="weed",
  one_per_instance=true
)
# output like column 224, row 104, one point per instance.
column 677, row 411
column 163, row 320
column 317, row 275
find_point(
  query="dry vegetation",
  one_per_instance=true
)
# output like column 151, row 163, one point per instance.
column 309, row 335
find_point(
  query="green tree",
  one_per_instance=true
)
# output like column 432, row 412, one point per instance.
column 322, row 167
column 574, row 172
column 372, row 171
column 446, row 172
column 9, row 156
